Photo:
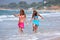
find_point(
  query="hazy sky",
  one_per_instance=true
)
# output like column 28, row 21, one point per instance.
column 9, row 1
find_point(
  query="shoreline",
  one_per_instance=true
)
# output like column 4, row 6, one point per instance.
column 44, row 10
column 8, row 9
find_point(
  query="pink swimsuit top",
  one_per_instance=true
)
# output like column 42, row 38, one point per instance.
column 21, row 16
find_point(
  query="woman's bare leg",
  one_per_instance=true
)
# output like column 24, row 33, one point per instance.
column 20, row 30
column 36, row 28
column 33, row 27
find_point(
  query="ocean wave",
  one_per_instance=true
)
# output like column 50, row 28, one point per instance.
column 6, row 16
column 10, row 10
column 7, row 19
column 12, row 17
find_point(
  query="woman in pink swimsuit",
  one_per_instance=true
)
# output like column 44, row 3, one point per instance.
column 22, row 17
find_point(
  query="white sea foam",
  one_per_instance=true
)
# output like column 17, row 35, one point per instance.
column 12, row 17
column 11, row 9
column 3, row 16
column 7, row 17
column 36, row 36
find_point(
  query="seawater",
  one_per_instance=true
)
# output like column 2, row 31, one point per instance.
column 48, row 29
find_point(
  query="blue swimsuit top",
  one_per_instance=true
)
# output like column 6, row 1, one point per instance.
column 36, row 21
column 35, row 17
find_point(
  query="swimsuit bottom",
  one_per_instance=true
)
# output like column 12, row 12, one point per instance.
column 36, row 22
column 21, row 24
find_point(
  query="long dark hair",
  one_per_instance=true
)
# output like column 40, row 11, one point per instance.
column 22, row 12
column 34, row 13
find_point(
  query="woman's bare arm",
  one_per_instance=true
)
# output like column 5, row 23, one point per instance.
column 40, row 16
column 31, row 19
column 17, row 15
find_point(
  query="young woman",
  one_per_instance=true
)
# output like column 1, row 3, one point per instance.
column 22, row 19
column 35, row 20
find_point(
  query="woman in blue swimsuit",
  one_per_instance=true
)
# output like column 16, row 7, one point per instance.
column 35, row 20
